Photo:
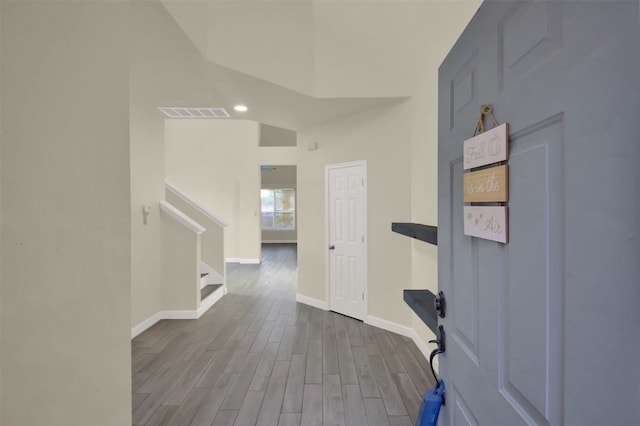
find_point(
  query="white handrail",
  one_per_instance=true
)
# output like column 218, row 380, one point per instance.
column 195, row 206
column 181, row 217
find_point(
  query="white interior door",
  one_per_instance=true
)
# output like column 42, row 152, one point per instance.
column 346, row 245
column 540, row 329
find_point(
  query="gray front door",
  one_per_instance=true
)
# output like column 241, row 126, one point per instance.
column 545, row 330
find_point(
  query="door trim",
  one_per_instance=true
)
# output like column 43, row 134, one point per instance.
column 327, row 275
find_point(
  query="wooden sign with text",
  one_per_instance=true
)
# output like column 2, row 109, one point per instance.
column 486, row 222
column 487, row 186
column 489, row 147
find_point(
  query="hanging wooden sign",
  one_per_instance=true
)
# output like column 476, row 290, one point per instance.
column 489, row 147
column 488, row 222
column 487, row 186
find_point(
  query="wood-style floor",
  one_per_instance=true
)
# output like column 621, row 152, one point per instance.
column 259, row 358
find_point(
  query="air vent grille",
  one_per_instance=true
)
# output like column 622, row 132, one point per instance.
column 189, row 112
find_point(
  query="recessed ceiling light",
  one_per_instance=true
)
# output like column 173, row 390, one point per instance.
column 240, row 108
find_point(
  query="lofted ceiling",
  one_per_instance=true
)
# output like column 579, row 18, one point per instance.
column 323, row 49
column 169, row 70
column 294, row 63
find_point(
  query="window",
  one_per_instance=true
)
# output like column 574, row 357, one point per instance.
column 278, row 208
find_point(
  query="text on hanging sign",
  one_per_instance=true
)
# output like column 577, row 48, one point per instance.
column 487, row 186
column 487, row 222
column 487, row 148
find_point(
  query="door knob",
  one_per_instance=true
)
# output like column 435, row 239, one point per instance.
column 332, row 247
column 440, row 341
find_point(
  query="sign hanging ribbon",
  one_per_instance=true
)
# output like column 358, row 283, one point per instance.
column 485, row 110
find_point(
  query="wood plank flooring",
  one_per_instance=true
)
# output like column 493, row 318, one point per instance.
column 259, row 358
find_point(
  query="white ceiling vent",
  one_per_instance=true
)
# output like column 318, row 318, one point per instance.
column 188, row 112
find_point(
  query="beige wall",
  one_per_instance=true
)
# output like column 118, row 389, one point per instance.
column 161, row 61
column 147, row 188
column 0, row 213
column 382, row 138
column 447, row 19
column 212, row 240
column 279, row 236
column 400, row 145
column 276, row 136
column 216, row 163
column 66, row 351
column 181, row 250
column 211, row 162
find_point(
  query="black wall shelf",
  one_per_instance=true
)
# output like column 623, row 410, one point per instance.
column 421, row 301
column 426, row 233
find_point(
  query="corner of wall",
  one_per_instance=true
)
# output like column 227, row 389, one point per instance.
column 147, row 188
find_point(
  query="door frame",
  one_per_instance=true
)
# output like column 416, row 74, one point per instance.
column 327, row 272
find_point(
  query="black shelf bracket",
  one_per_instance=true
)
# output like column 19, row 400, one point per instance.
column 422, row 303
column 426, row 233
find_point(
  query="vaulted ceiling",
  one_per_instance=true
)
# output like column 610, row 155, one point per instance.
column 323, row 49
column 294, row 63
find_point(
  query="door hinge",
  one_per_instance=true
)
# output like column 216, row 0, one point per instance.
column 363, row 296
column 363, row 238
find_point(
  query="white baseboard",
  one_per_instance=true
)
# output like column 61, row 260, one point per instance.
column 180, row 314
column 242, row 261
column 208, row 302
column 389, row 326
column 138, row 329
column 320, row 304
column 144, row 325
column 424, row 349
column 173, row 315
column 376, row 322
column 279, row 241
column 393, row 327
column 403, row 331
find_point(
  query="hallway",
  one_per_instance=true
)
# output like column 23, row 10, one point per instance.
column 259, row 357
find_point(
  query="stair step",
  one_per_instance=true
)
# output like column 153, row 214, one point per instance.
column 204, row 274
column 208, row 290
